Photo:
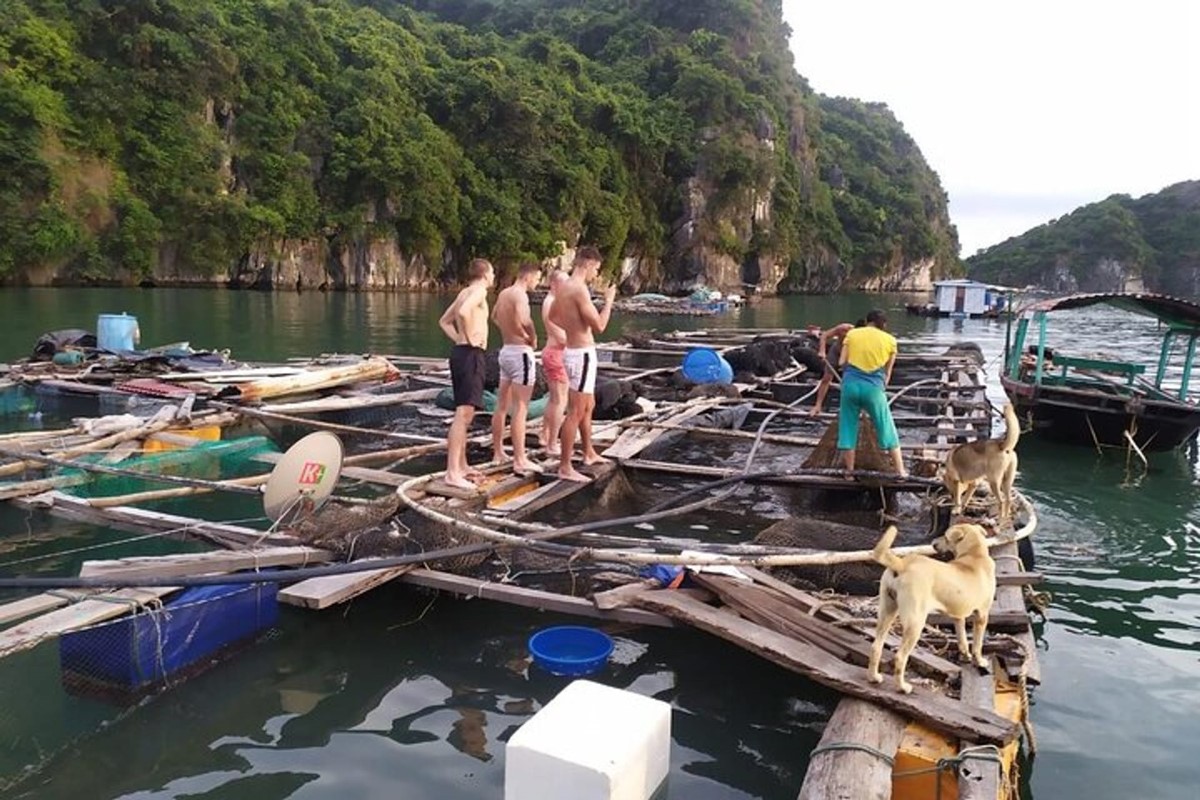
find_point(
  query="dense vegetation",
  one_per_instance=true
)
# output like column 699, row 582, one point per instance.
column 201, row 128
column 1155, row 238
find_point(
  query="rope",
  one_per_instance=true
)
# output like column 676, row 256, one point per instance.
column 853, row 746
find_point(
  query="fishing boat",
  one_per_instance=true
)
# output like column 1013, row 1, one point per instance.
column 1094, row 401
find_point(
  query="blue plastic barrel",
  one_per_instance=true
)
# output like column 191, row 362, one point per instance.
column 116, row 332
column 705, row 365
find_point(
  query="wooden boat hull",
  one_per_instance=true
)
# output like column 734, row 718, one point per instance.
column 1088, row 418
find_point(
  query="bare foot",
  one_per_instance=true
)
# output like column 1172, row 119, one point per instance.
column 555, row 451
column 527, row 468
column 458, row 482
column 594, row 458
column 816, row 412
column 572, row 474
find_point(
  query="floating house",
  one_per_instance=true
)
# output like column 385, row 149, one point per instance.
column 963, row 298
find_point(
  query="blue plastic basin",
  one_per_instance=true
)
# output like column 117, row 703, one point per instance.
column 705, row 365
column 570, row 649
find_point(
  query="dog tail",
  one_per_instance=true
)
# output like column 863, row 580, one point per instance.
column 883, row 551
column 1013, row 430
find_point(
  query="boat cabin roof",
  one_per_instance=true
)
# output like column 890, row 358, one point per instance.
column 1176, row 312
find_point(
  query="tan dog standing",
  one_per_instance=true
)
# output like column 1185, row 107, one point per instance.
column 914, row 586
column 993, row 460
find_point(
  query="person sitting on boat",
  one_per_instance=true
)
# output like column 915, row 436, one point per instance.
column 465, row 322
column 829, row 348
column 518, row 368
column 867, row 357
column 553, row 368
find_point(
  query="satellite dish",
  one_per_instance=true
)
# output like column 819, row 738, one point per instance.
column 304, row 478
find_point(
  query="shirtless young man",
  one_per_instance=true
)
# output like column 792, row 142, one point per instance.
column 518, row 369
column 574, row 312
column 829, row 348
column 465, row 322
column 553, row 368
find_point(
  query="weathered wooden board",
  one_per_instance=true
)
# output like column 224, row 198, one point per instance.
column 215, row 562
column 921, row 660
column 530, row 598
column 635, row 439
column 87, row 612
column 330, row 590
column 935, row 710
column 978, row 779
column 556, row 491
column 848, row 774
column 377, row 476
column 1011, row 600
column 37, row 604
column 823, row 481
column 141, row 520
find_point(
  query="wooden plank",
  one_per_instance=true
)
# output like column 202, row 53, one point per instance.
column 344, row 403
column 442, row 489
column 376, row 476
column 757, row 604
column 330, row 590
column 214, row 562
column 822, row 481
column 1011, row 599
column 530, row 598
column 935, row 710
column 978, row 779
column 37, row 604
column 88, row 612
column 636, row 439
column 921, row 660
column 528, row 504
column 139, row 520
column 849, row 774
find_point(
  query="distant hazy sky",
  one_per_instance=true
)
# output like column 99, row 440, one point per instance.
column 1025, row 109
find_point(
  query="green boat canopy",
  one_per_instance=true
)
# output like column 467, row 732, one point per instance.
column 1179, row 314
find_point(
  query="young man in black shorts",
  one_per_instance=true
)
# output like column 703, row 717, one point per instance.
column 465, row 323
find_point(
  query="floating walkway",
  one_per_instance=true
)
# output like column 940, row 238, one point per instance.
column 739, row 484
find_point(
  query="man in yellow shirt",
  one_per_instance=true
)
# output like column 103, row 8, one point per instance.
column 867, row 357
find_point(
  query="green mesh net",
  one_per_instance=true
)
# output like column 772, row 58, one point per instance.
column 210, row 461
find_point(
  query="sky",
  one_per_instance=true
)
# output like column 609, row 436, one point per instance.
column 1026, row 110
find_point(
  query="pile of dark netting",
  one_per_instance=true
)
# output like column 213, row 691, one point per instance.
column 867, row 456
column 861, row 578
column 379, row 530
column 769, row 355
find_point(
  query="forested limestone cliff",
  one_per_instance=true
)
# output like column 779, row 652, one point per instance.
column 380, row 144
column 1118, row 244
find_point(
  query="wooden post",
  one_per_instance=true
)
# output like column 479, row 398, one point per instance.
column 850, row 773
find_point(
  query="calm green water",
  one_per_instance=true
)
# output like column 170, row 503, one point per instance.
column 394, row 697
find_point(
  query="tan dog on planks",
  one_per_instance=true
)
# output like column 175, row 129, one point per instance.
column 993, row 460
column 914, row 586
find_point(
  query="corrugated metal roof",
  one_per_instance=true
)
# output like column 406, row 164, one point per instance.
column 1174, row 311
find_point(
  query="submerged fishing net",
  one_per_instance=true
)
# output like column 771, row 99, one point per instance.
column 210, row 461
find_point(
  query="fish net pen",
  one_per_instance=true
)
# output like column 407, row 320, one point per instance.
column 204, row 461
column 163, row 640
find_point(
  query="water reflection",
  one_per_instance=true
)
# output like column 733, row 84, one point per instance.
column 366, row 705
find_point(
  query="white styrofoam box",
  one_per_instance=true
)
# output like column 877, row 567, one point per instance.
column 591, row 742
